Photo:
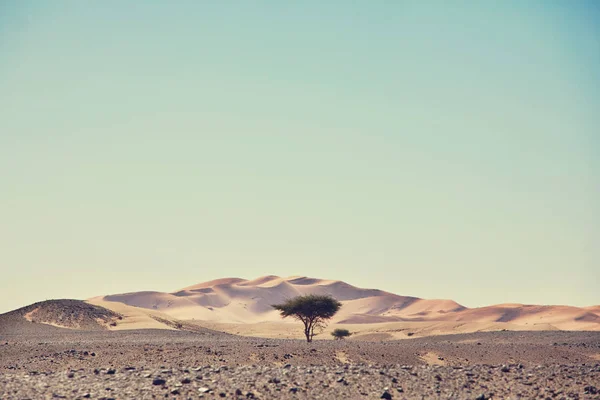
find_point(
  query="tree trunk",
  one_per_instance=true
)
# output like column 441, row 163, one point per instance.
column 307, row 332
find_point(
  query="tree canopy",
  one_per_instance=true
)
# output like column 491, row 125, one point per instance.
column 313, row 310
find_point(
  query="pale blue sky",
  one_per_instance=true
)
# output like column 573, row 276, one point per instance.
column 428, row 150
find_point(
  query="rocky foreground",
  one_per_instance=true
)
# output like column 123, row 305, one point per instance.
column 310, row 382
column 211, row 365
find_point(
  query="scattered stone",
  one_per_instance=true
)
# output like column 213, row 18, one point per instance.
column 386, row 395
column 158, row 381
column 590, row 390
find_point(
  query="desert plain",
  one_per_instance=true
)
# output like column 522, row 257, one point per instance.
column 222, row 339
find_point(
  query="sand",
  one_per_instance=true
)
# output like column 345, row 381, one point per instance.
column 244, row 307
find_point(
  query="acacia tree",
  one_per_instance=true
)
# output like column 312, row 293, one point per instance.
column 313, row 310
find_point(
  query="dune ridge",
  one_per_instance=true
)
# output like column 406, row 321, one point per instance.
column 236, row 302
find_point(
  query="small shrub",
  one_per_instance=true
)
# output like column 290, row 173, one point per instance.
column 340, row 334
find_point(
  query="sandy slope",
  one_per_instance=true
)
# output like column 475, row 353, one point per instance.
column 133, row 318
column 244, row 307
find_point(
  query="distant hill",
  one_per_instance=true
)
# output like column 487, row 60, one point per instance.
column 58, row 314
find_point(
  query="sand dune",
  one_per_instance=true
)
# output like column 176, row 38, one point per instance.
column 134, row 317
column 244, row 307
column 593, row 309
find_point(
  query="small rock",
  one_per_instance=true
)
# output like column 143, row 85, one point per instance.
column 158, row 381
column 175, row 391
column 111, row 371
column 293, row 390
column 590, row 390
column 386, row 395
column 203, row 390
column 185, row 381
column 505, row 368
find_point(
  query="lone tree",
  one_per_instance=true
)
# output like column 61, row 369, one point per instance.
column 340, row 334
column 313, row 310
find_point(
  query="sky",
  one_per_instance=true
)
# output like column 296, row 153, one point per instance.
column 412, row 146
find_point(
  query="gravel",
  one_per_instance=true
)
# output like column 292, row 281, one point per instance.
column 268, row 382
column 180, row 365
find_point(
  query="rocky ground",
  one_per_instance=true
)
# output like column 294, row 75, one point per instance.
column 207, row 364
